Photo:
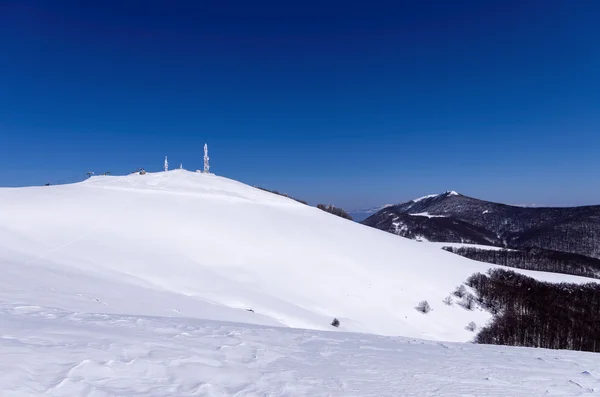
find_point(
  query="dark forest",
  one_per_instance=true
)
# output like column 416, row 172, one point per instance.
column 534, row 259
column 532, row 313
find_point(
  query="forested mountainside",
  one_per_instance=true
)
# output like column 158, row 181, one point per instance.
column 433, row 228
column 537, row 259
column 528, row 312
column 574, row 229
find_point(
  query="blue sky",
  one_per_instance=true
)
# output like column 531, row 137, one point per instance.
column 354, row 104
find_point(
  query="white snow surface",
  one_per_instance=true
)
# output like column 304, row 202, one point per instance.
column 139, row 285
column 424, row 197
column 428, row 215
column 448, row 192
column 185, row 244
column 483, row 247
column 52, row 352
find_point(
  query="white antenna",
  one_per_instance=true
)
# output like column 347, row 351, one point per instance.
column 180, row 166
column 206, row 166
column 166, row 164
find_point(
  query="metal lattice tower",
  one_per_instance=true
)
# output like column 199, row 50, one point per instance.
column 206, row 165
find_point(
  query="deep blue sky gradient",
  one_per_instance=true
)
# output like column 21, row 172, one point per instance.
column 355, row 104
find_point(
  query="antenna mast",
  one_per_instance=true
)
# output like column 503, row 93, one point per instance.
column 206, row 165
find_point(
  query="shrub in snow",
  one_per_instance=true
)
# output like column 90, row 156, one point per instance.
column 423, row 307
column 468, row 302
column 335, row 322
column 460, row 291
column 448, row 300
column 471, row 327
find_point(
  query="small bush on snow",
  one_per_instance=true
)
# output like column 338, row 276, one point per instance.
column 471, row 327
column 468, row 302
column 335, row 322
column 448, row 300
column 460, row 291
column 423, row 307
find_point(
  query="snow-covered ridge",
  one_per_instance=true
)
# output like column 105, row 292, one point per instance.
column 465, row 245
column 429, row 196
column 187, row 244
column 424, row 197
column 428, row 215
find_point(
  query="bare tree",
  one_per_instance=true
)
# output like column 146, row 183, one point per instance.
column 468, row 301
column 460, row 291
column 423, row 307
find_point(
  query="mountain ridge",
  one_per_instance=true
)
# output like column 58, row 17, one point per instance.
column 568, row 229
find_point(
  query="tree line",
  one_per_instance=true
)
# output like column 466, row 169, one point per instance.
column 534, row 259
column 533, row 313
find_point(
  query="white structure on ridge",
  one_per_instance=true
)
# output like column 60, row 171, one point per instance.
column 206, row 166
column 166, row 164
column 180, row 166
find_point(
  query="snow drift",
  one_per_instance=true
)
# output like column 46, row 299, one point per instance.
column 51, row 352
column 196, row 245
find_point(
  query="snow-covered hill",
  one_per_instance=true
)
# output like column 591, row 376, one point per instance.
column 185, row 244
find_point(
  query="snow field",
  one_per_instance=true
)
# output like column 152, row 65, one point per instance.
column 141, row 286
column 53, row 352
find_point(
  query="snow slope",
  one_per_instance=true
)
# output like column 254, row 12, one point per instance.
column 57, row 353
column 183, row 244
column 465, row 245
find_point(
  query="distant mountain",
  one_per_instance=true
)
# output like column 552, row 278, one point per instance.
column 360, row 215
column 432, row 228
column 453, row 217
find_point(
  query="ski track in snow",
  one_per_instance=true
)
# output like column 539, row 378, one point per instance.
column 53, row 352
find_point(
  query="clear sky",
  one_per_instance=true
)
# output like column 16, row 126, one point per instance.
column 350, row 103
